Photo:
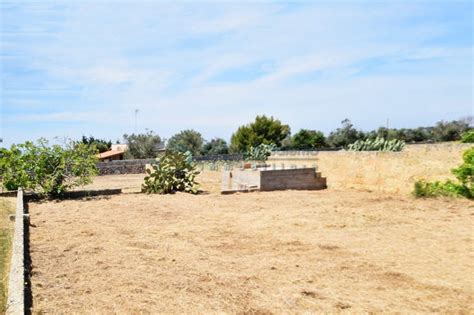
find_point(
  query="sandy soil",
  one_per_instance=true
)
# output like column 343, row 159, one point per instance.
column 272, row 252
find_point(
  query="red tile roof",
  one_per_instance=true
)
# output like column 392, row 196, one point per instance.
column 107, row 154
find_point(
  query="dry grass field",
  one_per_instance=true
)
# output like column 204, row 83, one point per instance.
column 330, row 251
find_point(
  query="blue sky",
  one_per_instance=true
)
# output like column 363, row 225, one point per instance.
column 73, row 68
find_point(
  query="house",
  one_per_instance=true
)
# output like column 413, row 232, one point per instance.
column 116, row 152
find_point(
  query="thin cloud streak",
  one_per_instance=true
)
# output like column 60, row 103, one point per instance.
column 215, row 66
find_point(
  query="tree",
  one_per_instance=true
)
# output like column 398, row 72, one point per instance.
column 263, row 130
column 186, row 140
column 101, row 145
column 308, row 139
column 215, row 146
column 143, row 146
column 450, row 131
column 345, row 135
column 49, row 170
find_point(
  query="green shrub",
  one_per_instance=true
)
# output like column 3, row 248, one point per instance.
column 379, row 144
column 464, row 174
column 48, row 170
column 468, row 137
column 175, row 171
column 436, row 189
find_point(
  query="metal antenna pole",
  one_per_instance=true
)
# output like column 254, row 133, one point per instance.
column 136, row 113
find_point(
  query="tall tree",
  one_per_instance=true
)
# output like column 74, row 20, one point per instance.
column 186, row 140
column 308, row 139
column 345, row 135
column 264, row 130
column 450, row 130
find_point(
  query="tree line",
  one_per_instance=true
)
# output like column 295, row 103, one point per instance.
column 269, row 130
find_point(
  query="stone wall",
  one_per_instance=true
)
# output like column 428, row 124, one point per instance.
column 138, row 166
column 379, row 171
column 123, row 167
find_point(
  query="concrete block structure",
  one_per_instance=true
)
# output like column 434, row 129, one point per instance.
column 266, row 179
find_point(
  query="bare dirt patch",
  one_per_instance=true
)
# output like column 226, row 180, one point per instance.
column 263, row 252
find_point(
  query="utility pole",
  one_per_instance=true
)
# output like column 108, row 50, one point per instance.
column 136, row 114
column 388, row 120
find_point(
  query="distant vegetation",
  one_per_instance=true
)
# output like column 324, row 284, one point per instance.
column 99, row 144
column 47, row 169
column 143, row 145
column 215, row 147
column 186, row 141
column 307, row 140
column 269, row 130
column 464, row 187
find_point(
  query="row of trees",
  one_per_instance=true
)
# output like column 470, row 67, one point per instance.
column 268, row 130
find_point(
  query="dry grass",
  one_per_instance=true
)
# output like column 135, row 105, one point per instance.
column 273, row 252
column 6, row 229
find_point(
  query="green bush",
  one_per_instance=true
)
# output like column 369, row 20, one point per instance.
column 464, row 188
column 379, row 144
column 435, row 189
column 468, row 137
column 48, row 170
column 175, row 171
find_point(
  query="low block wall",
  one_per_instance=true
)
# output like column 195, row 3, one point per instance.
column 16, row 277
column 380, row 171
column 271, row 179
column 236, row 180
column 304, row 178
